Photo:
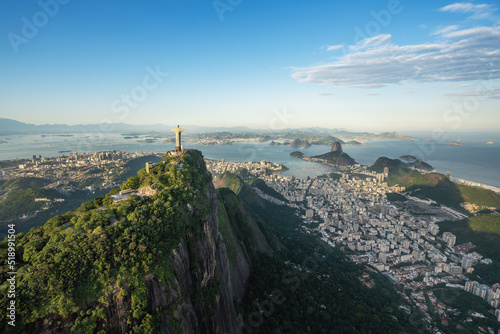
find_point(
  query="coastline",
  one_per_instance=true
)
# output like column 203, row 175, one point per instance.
column 453, row 179
column 475, row 184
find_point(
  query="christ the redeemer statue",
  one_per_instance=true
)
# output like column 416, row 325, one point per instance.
column 178, row 131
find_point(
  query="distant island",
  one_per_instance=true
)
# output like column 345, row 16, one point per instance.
column 297, row 154
column 454, row 143
column 300, row 143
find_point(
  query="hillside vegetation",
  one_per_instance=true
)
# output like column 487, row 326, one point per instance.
column 20, row 202
column 465, row 302
column 485, row 223
column 77, row 264
column 19, row 196
column 479, row 196
column 438, row 187
column 23, row 183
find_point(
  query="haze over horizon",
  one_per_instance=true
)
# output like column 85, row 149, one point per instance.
column 364, row 66
column 200, row 128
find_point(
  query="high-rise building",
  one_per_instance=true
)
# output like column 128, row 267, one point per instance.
column 490, row 296
column 433, row 228
column 449, row 238
column 481, row 290
column 467, row 262
column 383, row 257
column 386, row 171
column 496, row 304
column 452, row 240
column 497, row 314
column 469, row 286
column 454, row 270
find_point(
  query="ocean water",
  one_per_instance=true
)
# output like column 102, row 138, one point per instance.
column 473, row 160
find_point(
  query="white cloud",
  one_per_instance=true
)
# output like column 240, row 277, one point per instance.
column 334, row 47
column 459, row 55
column 446, row 30
column 463, row 7
column 372, row 42
column 480, row 11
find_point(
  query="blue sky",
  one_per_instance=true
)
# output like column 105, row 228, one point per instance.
column 360, row 65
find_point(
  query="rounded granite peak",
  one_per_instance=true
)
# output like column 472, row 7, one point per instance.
column 336, row 147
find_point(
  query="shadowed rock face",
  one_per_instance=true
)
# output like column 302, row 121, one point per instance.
column 211, row 263
column 336, row 147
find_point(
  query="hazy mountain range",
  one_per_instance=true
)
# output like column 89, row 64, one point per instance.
column 10, row 127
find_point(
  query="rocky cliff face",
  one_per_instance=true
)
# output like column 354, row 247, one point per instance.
column 336, row 147
column 200, row 262
column 242, row 236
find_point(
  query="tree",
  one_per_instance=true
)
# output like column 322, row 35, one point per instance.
column 132, row 183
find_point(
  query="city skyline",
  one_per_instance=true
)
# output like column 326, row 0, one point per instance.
column 386, row 66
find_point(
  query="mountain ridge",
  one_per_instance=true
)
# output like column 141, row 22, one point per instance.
column 11, row 127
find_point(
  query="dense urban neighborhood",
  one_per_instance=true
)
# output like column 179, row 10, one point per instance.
column 401, row 239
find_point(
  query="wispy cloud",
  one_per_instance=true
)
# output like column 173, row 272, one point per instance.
column 360, row 95
column 458, row 55
column 479, row 11
column 323, row 94
column 344, row 95
column 446, row 30
column 456, row 85
column 334, row 47
column 492, row 93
